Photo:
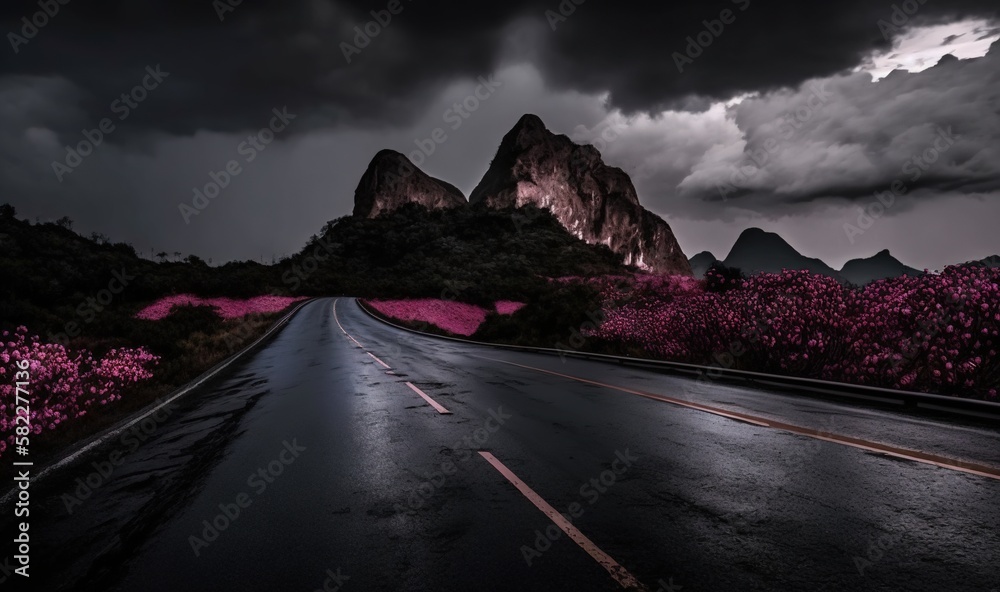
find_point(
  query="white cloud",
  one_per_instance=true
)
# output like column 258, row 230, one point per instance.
column 920, row 48
column 848, row 136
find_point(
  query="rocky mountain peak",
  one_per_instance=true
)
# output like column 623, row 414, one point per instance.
column 530, row 122
column 593, row 201
column 391, row 180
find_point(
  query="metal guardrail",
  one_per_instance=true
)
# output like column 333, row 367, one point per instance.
column 904, row 399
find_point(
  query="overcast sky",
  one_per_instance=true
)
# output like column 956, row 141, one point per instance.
column 788, row 116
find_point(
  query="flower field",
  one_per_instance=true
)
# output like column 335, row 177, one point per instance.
column 226, row 308
column 456, row 318
column 932, row 333
column 508, row 307
column 63, row 385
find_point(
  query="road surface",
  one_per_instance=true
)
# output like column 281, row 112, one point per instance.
column 347, row 455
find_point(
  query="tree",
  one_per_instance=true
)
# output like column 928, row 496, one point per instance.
column 7, row 211
column 162, row 256
column 65, row 222
column 720, row 278
column 126, row 248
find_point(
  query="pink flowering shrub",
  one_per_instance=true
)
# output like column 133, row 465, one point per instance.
column 226, row 308
column 933, row 333
column 63, row 385
column 454, row 317
column 508, row 307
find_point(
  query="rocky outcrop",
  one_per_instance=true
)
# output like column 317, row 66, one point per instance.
column 595, row 202
column 391, row 180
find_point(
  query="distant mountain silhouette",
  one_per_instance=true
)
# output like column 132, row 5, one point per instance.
column 880, row 266
column 759, row 251
column 701, row 262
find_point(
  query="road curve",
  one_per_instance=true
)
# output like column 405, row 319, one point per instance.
column 349, row 455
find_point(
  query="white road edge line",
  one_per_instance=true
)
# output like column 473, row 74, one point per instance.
column 344, row 331
column 116, row 431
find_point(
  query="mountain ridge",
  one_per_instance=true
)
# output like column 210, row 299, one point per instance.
column 757, row 250
column 594, row 202
column 881, row 265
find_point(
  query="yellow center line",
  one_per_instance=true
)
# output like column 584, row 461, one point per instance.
column 437, row 406
column 619, row 573
column 971, row 468
column 374, row 357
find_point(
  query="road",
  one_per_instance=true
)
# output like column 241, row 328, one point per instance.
column 345, row 454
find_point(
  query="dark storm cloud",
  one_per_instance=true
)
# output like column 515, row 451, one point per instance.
column 766, row 45
column 848, row 137
column 577, row 64
column 225, row 74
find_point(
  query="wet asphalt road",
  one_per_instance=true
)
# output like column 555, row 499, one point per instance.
column 318, row 467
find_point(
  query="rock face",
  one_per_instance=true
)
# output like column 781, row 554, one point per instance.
column 593, row 201
column 756, row 251
column 701, row 262
column 880, row 266
column 391, row 180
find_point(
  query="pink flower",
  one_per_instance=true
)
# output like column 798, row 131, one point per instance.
column 896, row 333
column 454, row 317
column 63, row 385
column 227, row 308
column 508, row 307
